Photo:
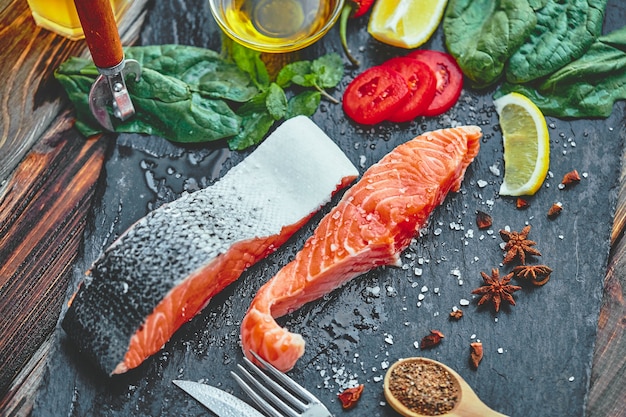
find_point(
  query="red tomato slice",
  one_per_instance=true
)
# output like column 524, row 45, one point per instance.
column 374, row 95
column 449, row 79
column 422, row 84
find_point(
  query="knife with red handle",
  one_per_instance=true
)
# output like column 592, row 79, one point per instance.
column 102, row 37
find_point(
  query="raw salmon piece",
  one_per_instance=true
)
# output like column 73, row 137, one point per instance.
column 166, row 267
column 371, row 225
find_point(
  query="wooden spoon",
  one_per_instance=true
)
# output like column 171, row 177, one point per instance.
column 467, row 403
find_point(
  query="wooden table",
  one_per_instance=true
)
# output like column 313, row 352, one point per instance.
column 49, row 176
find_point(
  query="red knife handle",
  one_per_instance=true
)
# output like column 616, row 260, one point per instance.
column 101, row 33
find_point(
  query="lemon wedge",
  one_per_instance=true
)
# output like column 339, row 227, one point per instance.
column 406, row 23
column 526, row 145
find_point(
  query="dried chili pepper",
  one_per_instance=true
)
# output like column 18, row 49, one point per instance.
column 431, row 340
column 555, row 210
column 476, row 353
column 521, row 203
column 571, row 177
column 483, row 220
column 350, row 396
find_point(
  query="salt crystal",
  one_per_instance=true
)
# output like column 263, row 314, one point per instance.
column 424, row 289
column 464, row 302
column 500, row 350
column 482, row 183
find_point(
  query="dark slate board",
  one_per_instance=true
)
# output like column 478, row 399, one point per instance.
column 546, row 340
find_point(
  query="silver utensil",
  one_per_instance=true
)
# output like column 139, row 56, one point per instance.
column 217, row 401
column 277, row 394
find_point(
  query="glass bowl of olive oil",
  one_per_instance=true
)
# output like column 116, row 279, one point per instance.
column 276, row 25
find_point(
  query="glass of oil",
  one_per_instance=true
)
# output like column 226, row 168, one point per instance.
column 60, row 16
column 276, row 25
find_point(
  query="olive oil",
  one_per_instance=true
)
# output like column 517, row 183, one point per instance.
column 277, row 22
column 60, row 16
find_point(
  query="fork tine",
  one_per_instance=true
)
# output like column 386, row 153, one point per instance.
column 272, row 390
column 290, row 383
column 256, row 398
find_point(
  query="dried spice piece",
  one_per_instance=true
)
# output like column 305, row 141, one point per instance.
column 456, row 314
column 476, row 353
column 496, row 289
column 518, row 245
column 571, row 177
column 522, row 203
column 483, row 220
column 555, row 210
column 350, row 396
column 537, row 274
column 432, row 340
column 424, row 387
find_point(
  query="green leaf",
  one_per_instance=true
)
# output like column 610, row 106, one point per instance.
column 276, row 101
column 303, row 104
column 329, row 69
column 483, row 34
column 564, row 31
column 295, row 73
column 202, row 69
column 256, row 121
column 248, row 61
column 587, row 87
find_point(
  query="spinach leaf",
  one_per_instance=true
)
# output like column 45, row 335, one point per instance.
column 587, row 87
column 483, row 34
column 564, row 31
column 202, row 69
column 190, row 94
column 256, row 121
column 164, row 105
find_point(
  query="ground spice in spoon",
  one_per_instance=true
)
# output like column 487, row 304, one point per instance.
column 424, row 387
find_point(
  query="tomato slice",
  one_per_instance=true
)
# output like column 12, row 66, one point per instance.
column 374, row 95
column 449, row 79
column 421, row 82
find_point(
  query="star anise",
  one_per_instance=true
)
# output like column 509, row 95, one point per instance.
column 518, row 245
column 537, row 274
column 496, row 289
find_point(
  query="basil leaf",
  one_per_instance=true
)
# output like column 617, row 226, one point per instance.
column 294, row 73
column 248, row 61
column 305, row 104
column 329, row 69
column 276, row 101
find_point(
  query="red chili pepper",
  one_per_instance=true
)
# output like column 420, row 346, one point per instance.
column 354, row 9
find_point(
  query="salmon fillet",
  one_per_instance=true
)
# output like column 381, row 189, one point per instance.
column 167, row 266
column 371, row 225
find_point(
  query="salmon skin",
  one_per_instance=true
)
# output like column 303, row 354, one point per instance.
column 371, row 225
column 168, row 265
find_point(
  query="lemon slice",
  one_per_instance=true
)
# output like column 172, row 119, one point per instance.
column 526, row 145
column 406, row 23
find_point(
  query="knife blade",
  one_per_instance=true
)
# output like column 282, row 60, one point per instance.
column 103, row 40
column 218, row 401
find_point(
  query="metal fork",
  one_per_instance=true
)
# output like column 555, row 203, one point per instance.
column 277, row 394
